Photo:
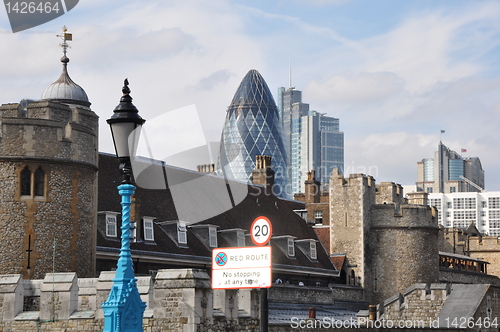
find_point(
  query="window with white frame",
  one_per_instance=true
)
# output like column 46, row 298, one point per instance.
column 111, row 225
column 314, row 254
column 147, row 223
column 241, row 238
column 181, row 234
column 318, row 217
column 212, row 237
column 291, row 247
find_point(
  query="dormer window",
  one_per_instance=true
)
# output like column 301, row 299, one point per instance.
column 207, row 234
column 212, row 235
column 314, row 254
column 111, row 225
column 147, row 223
column 182, row 234
column 308, row 247
column 291, row 247
column 241, row 238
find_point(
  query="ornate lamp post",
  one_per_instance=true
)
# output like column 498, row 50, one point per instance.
column 124, row 309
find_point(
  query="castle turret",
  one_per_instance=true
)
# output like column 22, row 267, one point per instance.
column 389, row 246
column 48, row 163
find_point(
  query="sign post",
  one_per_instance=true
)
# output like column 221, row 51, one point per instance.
column 247, row 267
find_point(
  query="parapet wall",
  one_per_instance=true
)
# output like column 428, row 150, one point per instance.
column 177, row 300
column 420, row 302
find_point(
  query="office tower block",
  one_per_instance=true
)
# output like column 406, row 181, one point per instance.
column 449, row 172
column 313, row 140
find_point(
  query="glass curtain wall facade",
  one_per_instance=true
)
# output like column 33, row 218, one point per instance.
column 313, row 140
column 253, row 127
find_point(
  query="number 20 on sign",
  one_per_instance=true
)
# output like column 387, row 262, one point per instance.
column 261, row 231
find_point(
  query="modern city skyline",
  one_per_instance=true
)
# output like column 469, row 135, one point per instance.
column 313, row 140
column 252, row 128
column 386, row 67
column 449, row 172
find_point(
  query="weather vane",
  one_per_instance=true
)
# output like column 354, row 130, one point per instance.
column 65, row 38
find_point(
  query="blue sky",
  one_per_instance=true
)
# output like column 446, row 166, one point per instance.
column 394, row 72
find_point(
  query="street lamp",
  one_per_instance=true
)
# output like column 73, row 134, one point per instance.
column 124, row 309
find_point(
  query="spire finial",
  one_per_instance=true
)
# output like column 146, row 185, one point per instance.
column 65, row 36
column 126, row 90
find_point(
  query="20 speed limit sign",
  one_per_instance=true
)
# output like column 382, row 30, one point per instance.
column 261, row 231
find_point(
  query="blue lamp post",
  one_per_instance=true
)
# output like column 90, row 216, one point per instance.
column 124, row 309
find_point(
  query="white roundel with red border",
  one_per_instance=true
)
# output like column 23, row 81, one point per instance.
column 261, row 231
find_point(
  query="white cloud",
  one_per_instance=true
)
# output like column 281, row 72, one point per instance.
column 357, row 89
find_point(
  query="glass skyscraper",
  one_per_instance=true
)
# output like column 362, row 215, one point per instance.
column 449, row 172
column 313, row 141
column 252, row 127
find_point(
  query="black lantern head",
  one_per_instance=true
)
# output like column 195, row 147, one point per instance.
column 125, row 126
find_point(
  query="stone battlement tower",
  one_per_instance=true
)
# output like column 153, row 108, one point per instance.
column 389, row 244
column 48, row 172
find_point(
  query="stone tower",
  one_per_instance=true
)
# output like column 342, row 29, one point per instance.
column 389, row 244
column 48, row 172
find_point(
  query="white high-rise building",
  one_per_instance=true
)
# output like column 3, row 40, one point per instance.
column 458, row 210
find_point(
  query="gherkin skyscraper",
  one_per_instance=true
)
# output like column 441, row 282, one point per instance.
column 252, row 127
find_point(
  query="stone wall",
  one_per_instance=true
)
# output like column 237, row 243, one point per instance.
column 304, row 294
column 488, row 249
column 350, row 203
column 466, row 277
column 177, row 300
column 420, row 302
column 404, row 248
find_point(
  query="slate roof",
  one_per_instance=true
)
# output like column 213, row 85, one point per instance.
column 462, row 303
column 163, row 205
column 291, row 313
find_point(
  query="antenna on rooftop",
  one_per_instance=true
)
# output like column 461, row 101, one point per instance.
column 290, row 73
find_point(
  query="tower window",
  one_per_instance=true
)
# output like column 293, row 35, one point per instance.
column 26, row 182
column 39, row 182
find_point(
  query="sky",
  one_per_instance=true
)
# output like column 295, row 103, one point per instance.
column 394, row 72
